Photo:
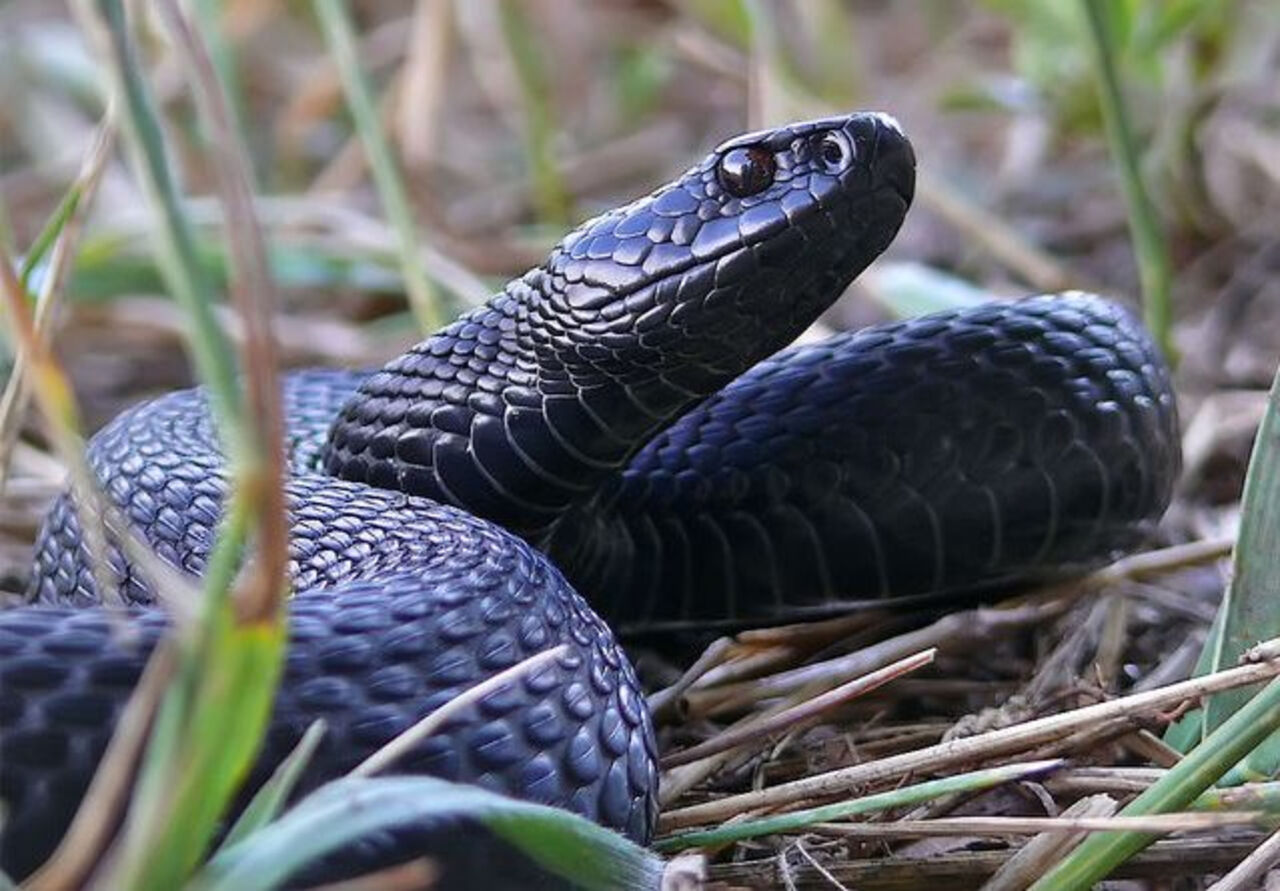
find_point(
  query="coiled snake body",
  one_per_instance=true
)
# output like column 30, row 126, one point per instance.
column 612, row 417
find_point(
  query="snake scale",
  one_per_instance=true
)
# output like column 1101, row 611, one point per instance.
column 615, row 428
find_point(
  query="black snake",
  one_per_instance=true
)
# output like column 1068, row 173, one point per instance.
column 613, row 418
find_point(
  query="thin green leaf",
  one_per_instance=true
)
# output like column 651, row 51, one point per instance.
column 48, row 235
column 1249, row 610
column 174, row 242
column 386, row 175
column 345, row 810
column 270, row 798
column 538, row 107
column 213, row 715
column 975, row 781
column 195, row 769
column 1105, row 19
column 1188, row 731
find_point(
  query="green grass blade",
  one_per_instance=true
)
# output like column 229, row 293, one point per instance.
column 195, row 768
column 1188, row 731
column 907, row 796
column 1105, row 17
column 48, row 235
column 344, row 810
column 1249, row 611
column 338, row 32
column 268, row 800
column 550, row 193
column 213, row 715
column 1099, row 854
column 174, row 242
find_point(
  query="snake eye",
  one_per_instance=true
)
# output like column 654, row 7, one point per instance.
column 833, row 151
column 746, row 171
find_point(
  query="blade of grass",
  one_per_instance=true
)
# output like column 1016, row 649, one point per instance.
column 173, row 240
column 1249, row 607
column 53, row 390
column 974, row 781
column 95, row 822
column 209, row 731
column 58, row 235
column 391, row 190
column 1148, row 238
column 270, row 798
column 550, row 194
column 260, row 470
column 1098, row 855
column 1189, row 731
column 66, row 208
column 213, row 716
column 348, row 809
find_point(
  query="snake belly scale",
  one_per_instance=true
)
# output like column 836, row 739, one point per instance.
column 610, row 430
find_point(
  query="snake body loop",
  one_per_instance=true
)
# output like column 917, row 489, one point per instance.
column 607, row 418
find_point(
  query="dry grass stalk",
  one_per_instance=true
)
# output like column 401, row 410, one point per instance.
column 403, row 742
column 416, row 875
column 1047, row 848
column 949, row 755
column 802, row 714
column 1002, row 826
column 968, row 869
column 1251, row 872
column 13, row 403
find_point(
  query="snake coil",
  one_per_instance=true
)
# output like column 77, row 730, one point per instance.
column 613, row 420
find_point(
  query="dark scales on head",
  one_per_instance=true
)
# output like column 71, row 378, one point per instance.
column 526, row 405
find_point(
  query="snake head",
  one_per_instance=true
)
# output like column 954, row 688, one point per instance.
column 716, row 270
column 519, row 409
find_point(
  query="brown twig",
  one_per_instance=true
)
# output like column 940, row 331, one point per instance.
column 801, row 714
column 997, row 743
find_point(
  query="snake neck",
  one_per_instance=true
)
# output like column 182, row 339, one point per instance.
column 522, row 409
column 509, row 413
